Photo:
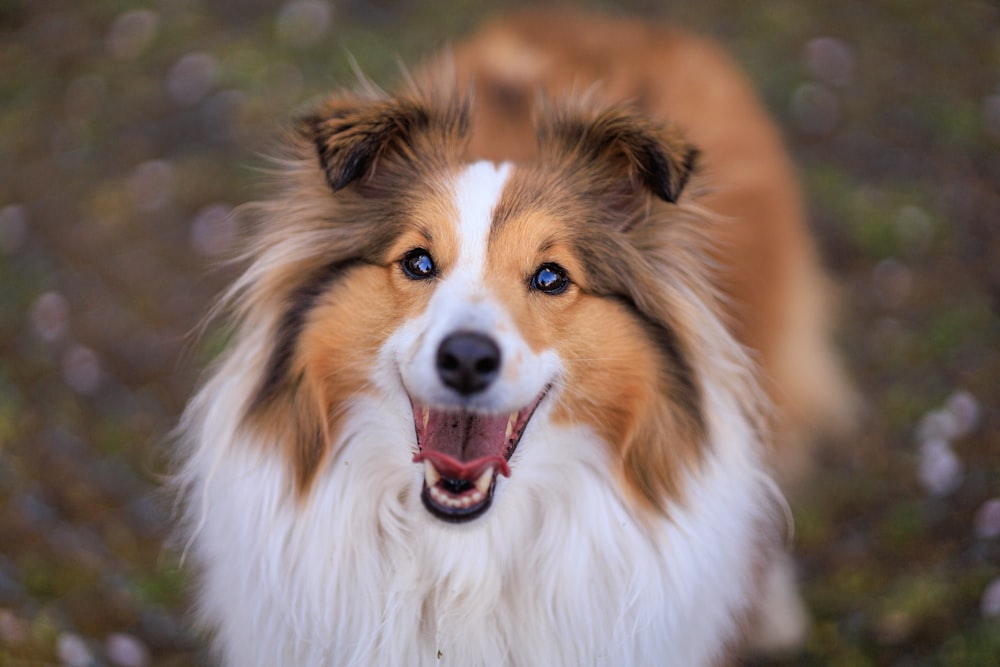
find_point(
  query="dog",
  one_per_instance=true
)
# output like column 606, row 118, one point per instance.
column 517, row 355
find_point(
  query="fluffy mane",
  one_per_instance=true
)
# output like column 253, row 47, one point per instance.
column 638, row 517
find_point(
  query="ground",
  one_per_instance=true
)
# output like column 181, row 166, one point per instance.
column 129, row 131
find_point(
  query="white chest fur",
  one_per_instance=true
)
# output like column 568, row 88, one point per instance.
column 558, row 573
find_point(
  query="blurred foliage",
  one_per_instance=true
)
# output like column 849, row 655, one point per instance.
column 126, row 128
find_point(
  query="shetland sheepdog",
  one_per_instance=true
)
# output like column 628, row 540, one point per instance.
column 517, row 354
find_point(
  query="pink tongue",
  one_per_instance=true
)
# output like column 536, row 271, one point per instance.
column 469, row 471
column 462, row 445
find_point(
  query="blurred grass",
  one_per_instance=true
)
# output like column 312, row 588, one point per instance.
column 103, row 172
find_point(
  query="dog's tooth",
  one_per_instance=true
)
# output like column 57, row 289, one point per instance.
column 427, row 416
column 510, row 424
column 431, row 475
column 483, row 482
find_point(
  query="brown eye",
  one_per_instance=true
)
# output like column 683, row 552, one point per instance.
column 418, row 265
column 550, row 278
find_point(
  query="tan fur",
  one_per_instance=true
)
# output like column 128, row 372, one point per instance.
column 652, row 176
column 353, row 319
column 777, row 297
column 590, row 203
column 615, row 376
column 306, row 232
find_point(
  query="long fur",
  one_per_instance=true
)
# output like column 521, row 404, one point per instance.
column 562, row 573
column 638, row 518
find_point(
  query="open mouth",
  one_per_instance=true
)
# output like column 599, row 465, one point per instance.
column 462, row 453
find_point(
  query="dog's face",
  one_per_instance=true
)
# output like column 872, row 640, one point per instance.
column 490, row 296
column 476, row 362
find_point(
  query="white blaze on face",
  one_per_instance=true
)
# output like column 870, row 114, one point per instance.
column 463, row 302
column 477, row 191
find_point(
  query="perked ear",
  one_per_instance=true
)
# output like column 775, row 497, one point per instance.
column 656, row 156
column 351, row 133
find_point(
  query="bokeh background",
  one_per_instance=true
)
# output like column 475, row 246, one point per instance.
column 128, row 131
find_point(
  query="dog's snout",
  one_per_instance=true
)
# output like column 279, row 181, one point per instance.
column 468, row 362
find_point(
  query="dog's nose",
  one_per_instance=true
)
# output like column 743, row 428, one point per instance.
column 468, row 362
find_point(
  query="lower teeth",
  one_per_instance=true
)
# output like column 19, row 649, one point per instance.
column 469, row 499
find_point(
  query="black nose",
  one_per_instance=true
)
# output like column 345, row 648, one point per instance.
column 468, row 362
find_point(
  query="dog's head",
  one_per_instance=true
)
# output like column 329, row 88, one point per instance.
column 491, row 296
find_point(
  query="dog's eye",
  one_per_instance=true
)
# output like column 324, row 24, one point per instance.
column 418, row 265
column 550, row 278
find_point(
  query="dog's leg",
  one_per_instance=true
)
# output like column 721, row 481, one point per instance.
column 781, row 621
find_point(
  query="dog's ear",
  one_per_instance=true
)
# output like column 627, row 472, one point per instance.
column 620, row 144
column 351, row 133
